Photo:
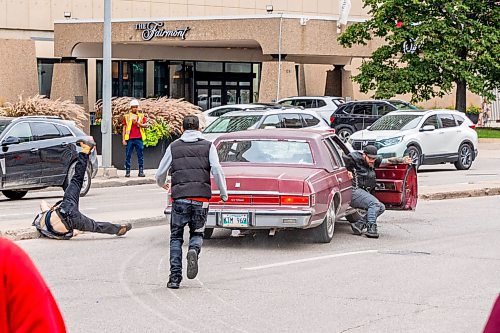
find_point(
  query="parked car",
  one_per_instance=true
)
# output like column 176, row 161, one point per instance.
column 38, row 152
column 283, row 117
column 358, row 115
column 214, row 113
column 295, row 179
column 204, row 102
column 428, row 137
column 323, row 105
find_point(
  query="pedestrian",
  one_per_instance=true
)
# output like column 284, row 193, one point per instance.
column 133, row 136
column 26, row 303
column 361, row 167
column 67, row 217
column 190, row 160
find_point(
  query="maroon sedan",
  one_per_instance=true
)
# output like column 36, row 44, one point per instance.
column 284, row 179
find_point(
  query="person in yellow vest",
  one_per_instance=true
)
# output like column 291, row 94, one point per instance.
column 134, row 135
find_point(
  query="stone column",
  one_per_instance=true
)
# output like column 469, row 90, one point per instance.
column 150, row 79
column 334, row 84
column 302, row 81
column 68, row 83
column 347, row 86
column 269, row 81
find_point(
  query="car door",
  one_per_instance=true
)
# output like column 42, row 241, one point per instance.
column 342, row 175
column 362, row 115
column 449, row 140
column 429, row 140
column 20, row 163
column 397, row 186
column 55, row 151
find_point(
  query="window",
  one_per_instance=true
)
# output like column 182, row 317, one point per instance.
column 396, row 122
column 271, row 121
column 334, row 154
column 220, row 112
column 44, row 131
column 447, row 120
column 64, row 130
column 231, row 124
column 310, row 120
column 320, row 103
column 287, row 102
column 305, row 103
column 21, row 131
column 432, row 120
column 459, row 119
column 128, row 79
column 292, row 120
column 202, row 66
column 265, row 151
column 161, row 78
column 383, row 109
column 362, row 110
column 237, row 67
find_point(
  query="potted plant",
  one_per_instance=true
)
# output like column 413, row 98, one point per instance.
column 472, row 112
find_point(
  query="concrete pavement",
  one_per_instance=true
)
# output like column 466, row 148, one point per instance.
column 435, row 183
column 431, row 271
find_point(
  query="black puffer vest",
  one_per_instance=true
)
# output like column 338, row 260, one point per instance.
column 364, row 176
column 190, row 169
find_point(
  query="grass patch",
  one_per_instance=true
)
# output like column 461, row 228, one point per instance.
column 488, row 133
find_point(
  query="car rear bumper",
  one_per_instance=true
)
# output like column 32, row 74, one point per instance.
column 262, row 219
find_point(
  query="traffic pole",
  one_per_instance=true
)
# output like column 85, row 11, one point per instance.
column 106, row 125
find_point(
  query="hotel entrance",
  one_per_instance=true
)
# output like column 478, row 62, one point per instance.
column 225, row 83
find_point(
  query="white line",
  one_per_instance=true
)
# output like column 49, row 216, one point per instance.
column 299, row 261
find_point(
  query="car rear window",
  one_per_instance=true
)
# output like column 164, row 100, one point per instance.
column 396, row 122
column 3, row 124
column 265, row 151
column 232, row 124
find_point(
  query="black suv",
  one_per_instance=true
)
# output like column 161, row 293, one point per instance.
column 354, row 116
column 38, row 152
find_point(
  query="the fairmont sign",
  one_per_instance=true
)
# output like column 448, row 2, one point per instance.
column 156, row 29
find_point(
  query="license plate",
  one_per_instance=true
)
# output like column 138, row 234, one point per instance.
column 235, row 220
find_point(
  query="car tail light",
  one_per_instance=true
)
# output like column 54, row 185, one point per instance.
column 266, row 200
column 332, row 119
column 293, row 200
column 473, row 126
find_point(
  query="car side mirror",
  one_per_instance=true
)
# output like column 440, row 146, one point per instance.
column 11, row 140
column 427, row 128
column 368, row 127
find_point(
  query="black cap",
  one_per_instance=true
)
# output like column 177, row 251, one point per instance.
column 190, row 123
column 370, row 151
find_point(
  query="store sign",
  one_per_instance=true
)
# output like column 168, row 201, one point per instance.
column 156, row 29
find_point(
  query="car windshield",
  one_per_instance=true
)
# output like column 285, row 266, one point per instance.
column 265, row 151
column 396, row 122
column 3, row 124
column 232, row 124
column 403, row 105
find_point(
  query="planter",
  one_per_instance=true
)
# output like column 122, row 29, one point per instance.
column 152, row 155
column 474, row 117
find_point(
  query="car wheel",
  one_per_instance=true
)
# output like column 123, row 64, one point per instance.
column 324, row 232
column 464, row 161
column 87, row 179
column 344, row 134
column 414, row 153
column 14, row 195
column 355, row 216
column 207, row 234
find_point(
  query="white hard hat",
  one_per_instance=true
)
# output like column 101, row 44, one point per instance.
column 134, row 102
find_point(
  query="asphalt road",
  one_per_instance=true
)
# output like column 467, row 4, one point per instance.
column 433, row 270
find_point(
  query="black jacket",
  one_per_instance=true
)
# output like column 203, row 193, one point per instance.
column 363, row 175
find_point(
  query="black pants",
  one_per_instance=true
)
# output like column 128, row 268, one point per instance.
column 68, row 208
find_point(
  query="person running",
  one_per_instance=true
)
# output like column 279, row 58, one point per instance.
column 60, row 220
column 26, row 303
column 190, row 160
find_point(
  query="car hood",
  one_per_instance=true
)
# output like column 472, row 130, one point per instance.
column 376, row 135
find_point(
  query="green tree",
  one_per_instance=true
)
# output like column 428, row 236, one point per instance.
column 429, row 46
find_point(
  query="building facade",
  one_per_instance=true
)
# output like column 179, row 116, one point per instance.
column 210, row 52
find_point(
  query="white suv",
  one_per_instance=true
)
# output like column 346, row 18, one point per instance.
column 323, row 105
column 428, row 137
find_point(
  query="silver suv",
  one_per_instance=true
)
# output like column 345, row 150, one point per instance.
column 323, row 105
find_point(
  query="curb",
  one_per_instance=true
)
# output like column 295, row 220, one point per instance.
column 116, row 182
column 32, row 233
column 483, row 192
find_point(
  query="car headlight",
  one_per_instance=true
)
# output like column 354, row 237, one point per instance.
column 388, row 142
column 350, row 140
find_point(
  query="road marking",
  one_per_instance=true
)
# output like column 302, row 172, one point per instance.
column 299, row 261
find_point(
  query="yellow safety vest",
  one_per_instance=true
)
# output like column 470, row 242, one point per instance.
column 128, row 121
